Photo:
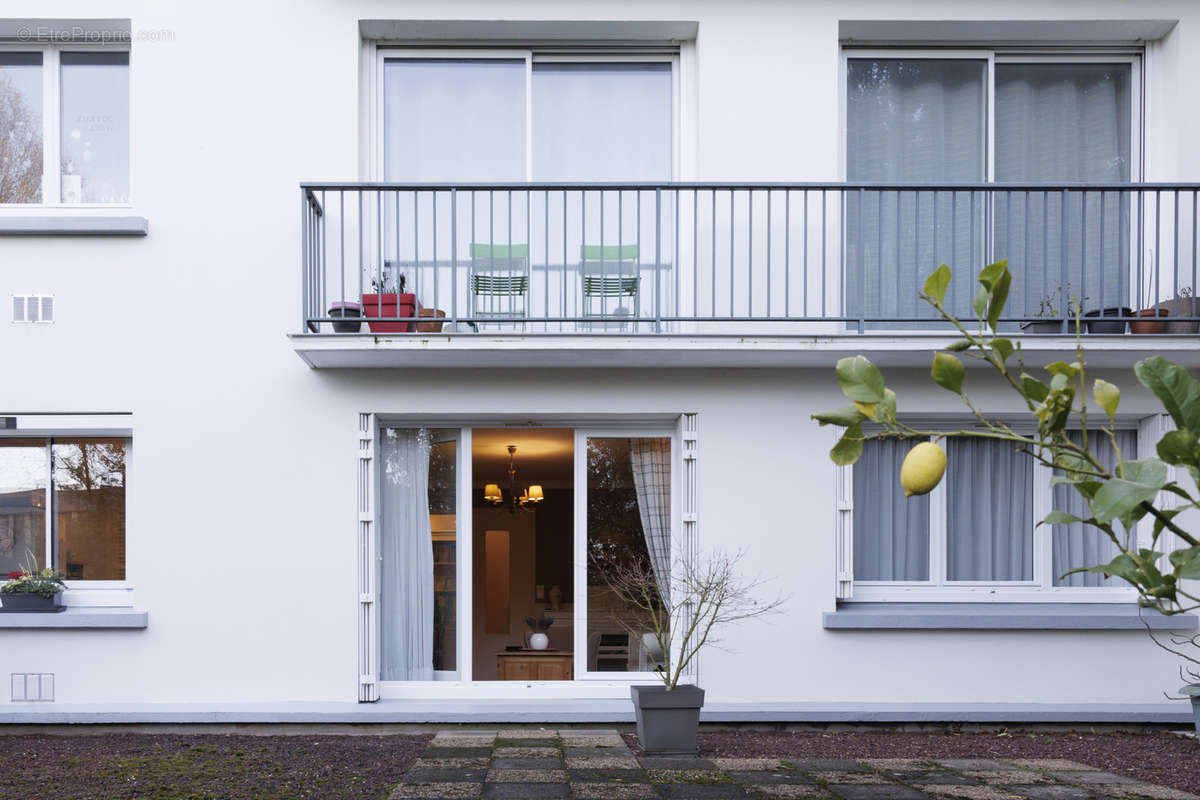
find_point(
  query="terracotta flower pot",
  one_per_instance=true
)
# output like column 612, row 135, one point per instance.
column 1149, row 322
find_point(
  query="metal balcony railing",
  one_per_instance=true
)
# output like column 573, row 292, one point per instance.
column 747, row 258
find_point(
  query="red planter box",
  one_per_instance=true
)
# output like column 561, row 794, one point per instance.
column 389, row 305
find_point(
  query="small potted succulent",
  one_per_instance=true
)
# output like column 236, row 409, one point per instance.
column 32, row 590
column 388, row 300
column 538, row 640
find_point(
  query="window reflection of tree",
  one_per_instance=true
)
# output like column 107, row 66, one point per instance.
column 20, row 147
column 89, row 487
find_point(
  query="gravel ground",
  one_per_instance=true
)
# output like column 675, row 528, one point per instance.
column 1155, row 757
column 202, row 766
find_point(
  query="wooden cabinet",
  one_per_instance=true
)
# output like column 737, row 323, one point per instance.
column 534, row 665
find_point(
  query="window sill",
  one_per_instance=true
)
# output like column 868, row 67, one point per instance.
column 1001, row 616
column 79, row 617
column 79, row 225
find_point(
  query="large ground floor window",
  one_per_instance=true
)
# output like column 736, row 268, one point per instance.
column 490, row 545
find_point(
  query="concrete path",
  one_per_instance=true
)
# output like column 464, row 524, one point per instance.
column 529, row 764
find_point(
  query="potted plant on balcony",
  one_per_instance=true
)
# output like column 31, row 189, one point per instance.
column 32, row 590
column 388, row 300
column 1184, row 305
column 706, row 593
column 1047, row 319
column 1149, row 316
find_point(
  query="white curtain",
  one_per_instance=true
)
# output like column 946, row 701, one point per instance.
column 891, row 532
column 651, row 462
column 406, row 555
column 989, row 511
column 1078, row 545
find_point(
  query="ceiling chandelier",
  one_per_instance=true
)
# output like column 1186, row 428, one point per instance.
column 532, row 496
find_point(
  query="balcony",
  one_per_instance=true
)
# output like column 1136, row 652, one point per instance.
column 721, row 274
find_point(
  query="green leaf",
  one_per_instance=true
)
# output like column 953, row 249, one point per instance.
column 1003, row 348
column 991, row 273
column 849, row 447
column 1061, row 368
column 1187, row 562
column 1179, row 447
column 860, row 380
column 1057, row 517
column 1107, row 397
column 885, row 410
column 980, row 303
column 866, row 409
column 999, row 298
column 948, row 372
column 1034, row 389
column 958, row 345
column 1147, row 471
column 1122, row 566
column 937, row 283
column 1119, row 497
column 1175, row 387
column 844, row 416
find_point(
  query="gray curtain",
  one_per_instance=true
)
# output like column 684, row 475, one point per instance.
column 651, row 462
column 989, row 511
column 891, row 532
column 1067, row 123
column 1078, row 545
column 406, row 556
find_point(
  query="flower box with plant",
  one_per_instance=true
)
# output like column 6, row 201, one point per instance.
column 32, row 590
column 674, row 624
column 388, row 300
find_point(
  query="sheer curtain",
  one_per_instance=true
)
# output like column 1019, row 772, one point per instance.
column 651, row 462
column 891, row 531
column 406, row 555
column 912, row 120
column 989, row 511
column 1077, row 545
column 1067, row 123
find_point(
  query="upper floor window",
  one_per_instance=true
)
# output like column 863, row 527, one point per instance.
column 64, row 126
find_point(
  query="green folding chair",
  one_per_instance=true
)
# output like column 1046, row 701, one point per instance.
column 610, row 278
column 499, row 281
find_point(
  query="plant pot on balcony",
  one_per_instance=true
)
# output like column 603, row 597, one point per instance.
column 436, row 314
column 346, row 310
column 1182, row 307
column 1047, row 326
column 23, row 603
column 1149, row 321
column 668, row 722
column 1097, row 320
column 389, row 304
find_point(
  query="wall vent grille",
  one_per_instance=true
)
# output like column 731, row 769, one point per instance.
column 33, row 687
column 33, row 308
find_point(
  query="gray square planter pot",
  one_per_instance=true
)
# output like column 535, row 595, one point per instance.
column 668, row 723
column 31, row 603
column 1192, row 690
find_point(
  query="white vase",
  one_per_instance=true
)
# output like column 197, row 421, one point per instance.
column 539, row 641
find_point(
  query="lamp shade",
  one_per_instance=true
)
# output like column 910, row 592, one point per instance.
column 491, row 493
column 535, row 494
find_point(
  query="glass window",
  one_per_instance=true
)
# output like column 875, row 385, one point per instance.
column 21, row 133
column 24, row 469
column 628, row 519
column 89, row 508
column 989, row 511
column 891, row 531
column 95, row 127
column 1079, row 545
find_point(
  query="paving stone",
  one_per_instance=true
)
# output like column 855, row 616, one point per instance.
column 626, row 761
column 1091, row 776
column 554, row 743
column 1051, row 763
column 973, row 763
column 675, row 762
column 1058, row 792
column 764, row 776
column 890, row 791
column 525, row 752
column 786, row 790
column 593, row 741
column 526, row 733
column 699, row 777
column 825, row 765
column 907, row 764
column 427, row 775
column 526, row 791
column 451, row 763
column 685, row 791
column 527, row 776
column 932, row 776
column 457, row 752
column 526, row 763
column 966, row 792
column 1155, row 792
column 450, row 791
column 1006, row 777
column 748, row 763
column 613, row 791
column 600, row 775
column 857, row 778
column 464, row 739
column 592, row 750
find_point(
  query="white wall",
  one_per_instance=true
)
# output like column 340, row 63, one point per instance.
column 241, row 512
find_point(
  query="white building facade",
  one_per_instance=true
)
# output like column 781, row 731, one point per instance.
column 630, row 240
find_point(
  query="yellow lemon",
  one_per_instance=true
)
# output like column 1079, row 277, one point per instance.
column 922, row 469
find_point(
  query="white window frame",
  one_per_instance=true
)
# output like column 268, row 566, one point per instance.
column 461, row 684
column 1038, row 590
column 82, row 593
column 52, row 129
